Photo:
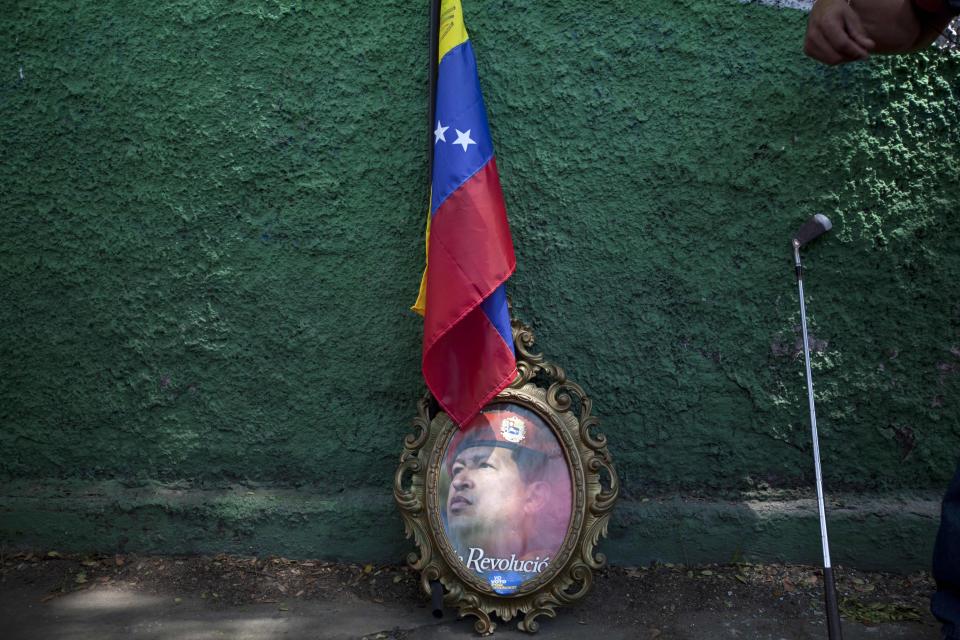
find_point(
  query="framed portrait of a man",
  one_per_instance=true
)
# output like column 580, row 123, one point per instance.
column 506, row 509
column 506, row 495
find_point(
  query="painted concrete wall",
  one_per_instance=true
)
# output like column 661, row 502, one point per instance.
column 213, row 218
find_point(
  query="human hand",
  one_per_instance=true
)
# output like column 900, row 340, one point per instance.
column 896, row 26
column 835, row 33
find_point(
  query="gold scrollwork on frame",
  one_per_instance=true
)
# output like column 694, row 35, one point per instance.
column 507, row 511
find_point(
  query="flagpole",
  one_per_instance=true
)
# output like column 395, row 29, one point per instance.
column 436, row 589
column 432, row 75
column 434, row 44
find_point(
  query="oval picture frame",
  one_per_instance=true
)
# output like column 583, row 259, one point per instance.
column 546, row 399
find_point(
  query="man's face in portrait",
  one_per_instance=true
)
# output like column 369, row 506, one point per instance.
column 497, row 492
column 486, row 493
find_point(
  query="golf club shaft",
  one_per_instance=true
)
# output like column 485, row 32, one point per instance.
column 830, row 591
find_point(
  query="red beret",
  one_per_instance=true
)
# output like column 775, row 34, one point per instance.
column 503, row 428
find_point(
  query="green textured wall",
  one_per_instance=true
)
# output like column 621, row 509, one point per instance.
column 213, row 213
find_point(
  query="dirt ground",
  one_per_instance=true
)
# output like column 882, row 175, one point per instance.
column 655, row 601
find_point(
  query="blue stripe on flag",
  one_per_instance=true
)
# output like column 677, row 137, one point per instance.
column 495, row 306
column 459, row 107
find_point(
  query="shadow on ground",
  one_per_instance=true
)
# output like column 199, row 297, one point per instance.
column 199, row 598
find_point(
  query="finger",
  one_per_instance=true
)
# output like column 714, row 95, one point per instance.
column 817, row 47
column 836, row 34
column 854, row 27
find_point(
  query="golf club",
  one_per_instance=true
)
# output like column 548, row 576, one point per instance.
column 810, row 231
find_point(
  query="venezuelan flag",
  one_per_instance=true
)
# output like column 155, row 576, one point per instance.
column 468, row 355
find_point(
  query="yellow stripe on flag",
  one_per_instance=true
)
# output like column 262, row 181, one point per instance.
column 420, row 306
column 452, row 30
column 452, row 34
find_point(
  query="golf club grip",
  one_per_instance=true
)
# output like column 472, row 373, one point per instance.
column 833, row 612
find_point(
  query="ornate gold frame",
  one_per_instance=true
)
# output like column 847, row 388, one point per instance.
column 542, row 387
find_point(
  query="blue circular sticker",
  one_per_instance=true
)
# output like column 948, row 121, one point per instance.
column 506, row 583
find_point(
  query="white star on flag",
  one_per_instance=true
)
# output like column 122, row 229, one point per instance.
column 438, row 134
column 463, row 138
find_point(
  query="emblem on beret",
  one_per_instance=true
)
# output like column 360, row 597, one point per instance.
column 513, row 430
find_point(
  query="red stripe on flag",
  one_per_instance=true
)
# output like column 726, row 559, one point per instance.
column 471, row 252
column 469, row 365
column 465, row 360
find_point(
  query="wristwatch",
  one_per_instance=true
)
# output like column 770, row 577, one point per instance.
column 938, row 7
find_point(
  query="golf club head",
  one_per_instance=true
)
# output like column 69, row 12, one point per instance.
column 811, row 230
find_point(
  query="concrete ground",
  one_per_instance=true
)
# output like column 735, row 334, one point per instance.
column 57, row 598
